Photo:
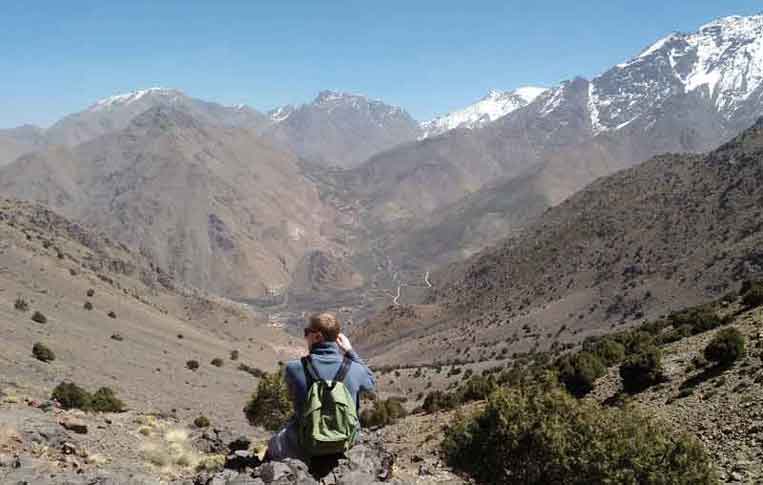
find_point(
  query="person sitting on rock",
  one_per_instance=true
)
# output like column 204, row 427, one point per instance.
column 324, row 387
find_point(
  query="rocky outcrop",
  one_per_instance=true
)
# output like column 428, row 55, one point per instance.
column 366, row 463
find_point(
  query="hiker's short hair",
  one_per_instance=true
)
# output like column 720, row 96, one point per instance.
column 327, row 324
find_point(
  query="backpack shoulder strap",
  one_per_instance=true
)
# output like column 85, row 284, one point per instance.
column 310, row 374
column 343, row 369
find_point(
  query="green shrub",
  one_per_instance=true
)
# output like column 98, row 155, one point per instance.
column 217, row 362
column 42, row 353
column 439, row 401
column 578, row 372
column 727, row 347
column 234, row 355
column 642, row 370
column 90, row 293
column 540, row 435
column 87, row 306
column 39, row 317
column 105, row 401
column 201, row 422
column 753, row 297
column 383, row 413
column 476, row 388
column 609, row 351
column 192, row 364
column 700, row 319
column 270, row 407
column 21, row 304
column 71, row 396
column 111, row 314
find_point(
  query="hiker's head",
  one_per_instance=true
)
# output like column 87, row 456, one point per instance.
column 322, row 327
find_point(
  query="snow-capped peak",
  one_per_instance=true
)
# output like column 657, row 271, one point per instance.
column 328, row 101
column 493, row 106
column 128, row 98
column 722, row 62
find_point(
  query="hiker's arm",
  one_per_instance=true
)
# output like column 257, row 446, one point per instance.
column 369, row 383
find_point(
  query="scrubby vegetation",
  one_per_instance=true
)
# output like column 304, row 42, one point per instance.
column 642, row 370
column 270, row 406
column 112, row 314
column 579, row 371
column 201, row 422
column 87, row 306
column 192, row 364
column 383, row 413
column 234, row 355
column 540, row 434
column 474, row 389
column 727, row 347
column 39, row 317
column 217, row 362
column 42, row 353
column 752, row 294
column 21, row 304
column 71, row 396
column 90, row 293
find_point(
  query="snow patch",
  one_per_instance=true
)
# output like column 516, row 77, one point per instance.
column 493, row 106
column 129, row 98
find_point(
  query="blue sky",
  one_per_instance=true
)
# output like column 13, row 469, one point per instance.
column 426, row 56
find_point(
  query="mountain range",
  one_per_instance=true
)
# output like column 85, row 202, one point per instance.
column 351, row 193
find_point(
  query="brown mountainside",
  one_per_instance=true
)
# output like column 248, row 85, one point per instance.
column 206, row 202
column 672, row 231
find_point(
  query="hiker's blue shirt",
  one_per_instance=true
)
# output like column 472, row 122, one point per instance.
column 327, row 358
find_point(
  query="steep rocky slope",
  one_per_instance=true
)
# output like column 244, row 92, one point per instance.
column 206, row 202
column 340, row 129
column 665, row 234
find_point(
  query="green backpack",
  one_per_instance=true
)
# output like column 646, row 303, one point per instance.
column 329, row 423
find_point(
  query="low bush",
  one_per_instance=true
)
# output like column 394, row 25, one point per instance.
column 39, row 317
column 21, row 304
column 90, row 293
column 439, row 401
column 753, row 296
column 105, row 401
column 540, row 435
column 192, row 364
column 642, row 370
column 87, row 306
column 201, row 422
column 111, row 314
column 578, row 372
column 700, row 319
column 726, row 347
column 217, row 362
column 71, row 396
column 234, row 355
column 270, row 406
column 383, row 413
column 42, row 353
column 608, row 350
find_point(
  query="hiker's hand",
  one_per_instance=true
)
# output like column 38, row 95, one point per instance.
column 343, row 342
